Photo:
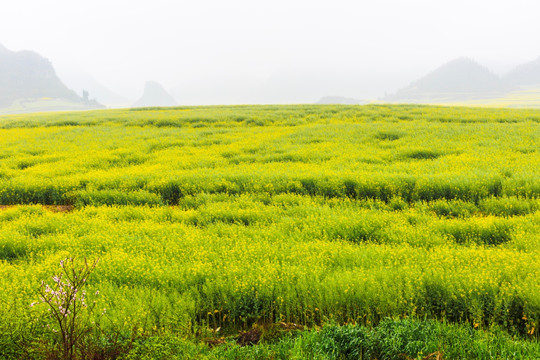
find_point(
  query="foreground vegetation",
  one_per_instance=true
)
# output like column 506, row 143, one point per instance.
column 418, row 227
column 391, row 339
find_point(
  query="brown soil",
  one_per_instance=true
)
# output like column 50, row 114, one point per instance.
column 250, row 337
column 59, row 208
column 214, row 342
column 53, row 208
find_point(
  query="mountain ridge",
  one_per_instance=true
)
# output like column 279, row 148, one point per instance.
column 25, row 75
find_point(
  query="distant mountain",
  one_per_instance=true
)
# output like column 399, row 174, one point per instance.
column 154, row 95
column 459, row 79
column 340, row 100
column 26, row 76
column 80, row 81
column 525, row 74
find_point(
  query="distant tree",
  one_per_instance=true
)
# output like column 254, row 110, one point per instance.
column 85, row 96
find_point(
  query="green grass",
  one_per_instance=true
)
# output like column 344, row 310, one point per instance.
column 390, row 340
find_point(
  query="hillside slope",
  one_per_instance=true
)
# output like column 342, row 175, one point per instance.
column 25, row 74
column 459, row 79
column 28, row 78
column 524, row 75
column 154, row 95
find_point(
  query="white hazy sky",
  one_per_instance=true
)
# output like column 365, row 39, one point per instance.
column 280, row 51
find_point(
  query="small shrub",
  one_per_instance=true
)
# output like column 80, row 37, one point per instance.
column 67, row 306
column 388, row 135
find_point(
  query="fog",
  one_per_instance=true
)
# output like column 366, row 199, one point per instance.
column 240, row 51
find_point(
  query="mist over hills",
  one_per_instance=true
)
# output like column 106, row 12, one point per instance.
column 459, row 79
column 29, row 82
column 154, row 95
column 341, row 100
column 79, row 80
column 525, row 74
column 26, row 78
column 463, row 79
column 25, row 74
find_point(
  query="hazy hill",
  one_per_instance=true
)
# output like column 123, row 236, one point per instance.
column 80, row 81
column 26, row 79
column 525, row 74
column 340, row 100
column 25, row 74
column 459, row 79
column 155, row 95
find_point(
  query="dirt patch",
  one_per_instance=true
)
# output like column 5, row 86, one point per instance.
column 214, row 342
column 59, row 208
column 250, row 337
column 53, row 208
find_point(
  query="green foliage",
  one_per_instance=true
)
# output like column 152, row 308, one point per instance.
column 482, row 232
column 453, row 208
column 508, row 206
column 421, row 154
column 402, row 339
column 116, row 197
column 391, row 339
column 388, row 135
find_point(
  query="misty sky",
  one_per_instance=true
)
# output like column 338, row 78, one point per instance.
column 241, row 51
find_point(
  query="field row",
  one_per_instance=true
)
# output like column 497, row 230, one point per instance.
column 386, row 188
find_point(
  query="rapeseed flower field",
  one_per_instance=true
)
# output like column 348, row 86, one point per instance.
column 220, row 220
